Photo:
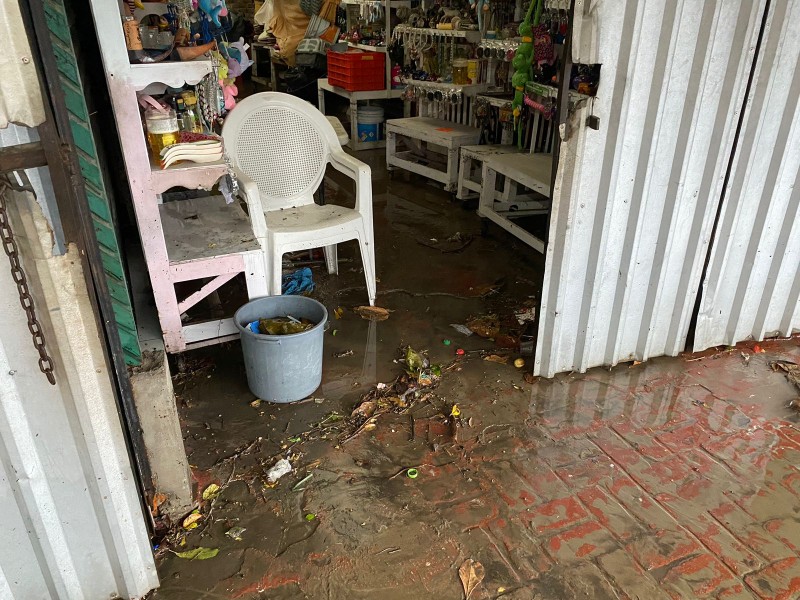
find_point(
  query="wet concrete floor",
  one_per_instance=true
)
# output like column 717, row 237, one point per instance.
column 678, row 478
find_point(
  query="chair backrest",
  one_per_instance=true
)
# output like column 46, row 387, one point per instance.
column 283, row 144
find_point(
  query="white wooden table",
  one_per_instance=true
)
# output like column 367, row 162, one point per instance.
column 432, row 147
column 470, row 170
column 534, row 172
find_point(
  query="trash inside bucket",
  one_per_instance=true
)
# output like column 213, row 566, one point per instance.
column 282, row 368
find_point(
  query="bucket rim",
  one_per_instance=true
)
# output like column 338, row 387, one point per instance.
column 265, row 336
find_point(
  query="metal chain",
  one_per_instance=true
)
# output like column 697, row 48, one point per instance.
column 10, row 247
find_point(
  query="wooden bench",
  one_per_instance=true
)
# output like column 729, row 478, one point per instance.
column 432, row 147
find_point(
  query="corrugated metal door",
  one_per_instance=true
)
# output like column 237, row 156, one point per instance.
column 752, row 289
column 634, row 203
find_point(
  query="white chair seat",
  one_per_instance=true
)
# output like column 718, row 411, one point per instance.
column 310, row 218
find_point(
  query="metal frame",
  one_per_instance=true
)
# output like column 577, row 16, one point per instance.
column 61, row 159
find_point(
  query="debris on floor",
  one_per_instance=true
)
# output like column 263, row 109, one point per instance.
column 281, row 468
column 299, row 282
column 792, row 371
column 372, row 313
column 471, row 573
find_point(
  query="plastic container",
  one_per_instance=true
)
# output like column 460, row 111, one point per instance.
column 357, row 71
column 370, row 121
column 460, row 75
column 473, row 70
column 162, row 129
column 282, row 368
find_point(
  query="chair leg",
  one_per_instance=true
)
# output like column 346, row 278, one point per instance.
column 366, row 244
column 331, row 259
column 276, row 276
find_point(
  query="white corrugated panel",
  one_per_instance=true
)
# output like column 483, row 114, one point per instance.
column 72, row 525
column 752, row 289
column 20, row 98
column 634, row 202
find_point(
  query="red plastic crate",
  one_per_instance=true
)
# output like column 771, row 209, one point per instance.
column 357, row 71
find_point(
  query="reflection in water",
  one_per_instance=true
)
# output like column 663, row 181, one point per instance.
column 338, row 387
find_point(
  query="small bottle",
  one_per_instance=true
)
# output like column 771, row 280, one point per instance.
column 162, row 129
column 191, row 114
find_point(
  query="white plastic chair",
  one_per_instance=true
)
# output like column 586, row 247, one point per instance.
column 279, row 146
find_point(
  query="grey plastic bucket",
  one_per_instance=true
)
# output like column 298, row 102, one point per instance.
column 282, row 368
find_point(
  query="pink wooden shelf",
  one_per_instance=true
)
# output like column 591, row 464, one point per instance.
column 187, row 175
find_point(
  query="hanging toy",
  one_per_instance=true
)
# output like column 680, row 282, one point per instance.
column 522, row 61
column 213, row 9
column 238, row 61
column 481, row 6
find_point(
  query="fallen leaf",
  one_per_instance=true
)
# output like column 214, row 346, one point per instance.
column 530, row 378
column 201, row 553
column 471, row 573
column 366, row 409
column 191, row 521
column 496, row 358
column 455, row 411
column 372, row 313
column 310, row 517
column 211, row 492
column 338, row 312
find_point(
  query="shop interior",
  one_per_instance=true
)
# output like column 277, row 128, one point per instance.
column 453, row 107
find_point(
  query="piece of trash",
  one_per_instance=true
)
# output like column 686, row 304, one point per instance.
column 496, row 358
column 372, row 313
column 280, row 326
column 446, row 342
column 235, row 533
column 201, row 553
column 310, row 517
column 299, row 282
column 519, row 363
column 460, row 352
column 211, row 492
column 425, row 378
column 745, row 357
column 278, row 470
column 158, row 500
column 486, row 326
column 295, row 438
column 501, row 590
column 471, row 573
column 334, row 332
column 415, row 362
column 636, row 363
column 530, row 378
column 319, row 400
column 455, row 411
column 412, row 473
column 299, row 485
column 758, row 349
column 343, row 353
column 463, row 329
column 381, row 386
column 191, row 521
column 526, row 316
column 338, row 312
column 369, row 426
column 366, row 409
column 256, row 403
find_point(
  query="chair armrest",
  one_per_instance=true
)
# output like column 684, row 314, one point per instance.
column 249, row 191
column 361, row 173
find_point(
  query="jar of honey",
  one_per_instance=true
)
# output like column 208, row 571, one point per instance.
column 460, row 71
